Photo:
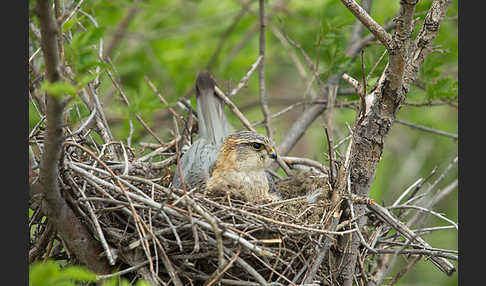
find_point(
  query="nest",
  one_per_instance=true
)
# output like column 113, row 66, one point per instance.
column 185, row 237
column 167, row 234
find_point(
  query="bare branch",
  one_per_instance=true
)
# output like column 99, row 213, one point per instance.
column 261, row 73
column 75, row 235
column 378, row 31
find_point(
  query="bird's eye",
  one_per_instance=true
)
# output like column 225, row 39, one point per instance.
column 257, row 146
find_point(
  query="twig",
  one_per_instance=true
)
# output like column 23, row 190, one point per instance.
column 385, row 216
column 233, row 108
column 305, row 161
column 291, row 225
column 261, row 73
column 245, row 78
column 378, row 31
column 219, row 274
column 405, row 193
column 427, row 129
column 96, row 223
column 426, row 211
column 311, row 273
column 122, row 272
column 152, row 86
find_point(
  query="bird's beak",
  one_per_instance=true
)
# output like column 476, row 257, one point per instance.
column 272, row 153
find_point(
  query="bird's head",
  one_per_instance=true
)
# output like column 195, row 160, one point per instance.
column 246, row 151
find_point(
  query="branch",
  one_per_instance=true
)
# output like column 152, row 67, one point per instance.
column 261, row 74
column 74, row 234
column 400, row 227
column 378, row 31
column 422, row 45
column 382, row 106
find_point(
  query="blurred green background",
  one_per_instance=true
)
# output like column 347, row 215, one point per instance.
column 170, row 41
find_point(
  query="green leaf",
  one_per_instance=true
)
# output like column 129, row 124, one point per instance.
column 89, row 37
column 50, row 273
column 70, row 23
column 43, row 274
column 58, row 88
column 442, row 88
column 77, row 273
column 142, row 283
column 83, row 80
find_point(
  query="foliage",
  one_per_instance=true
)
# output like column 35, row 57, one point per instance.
column 50, row 273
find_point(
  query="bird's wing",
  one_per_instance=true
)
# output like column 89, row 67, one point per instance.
column 196, row 164
column 213, row 125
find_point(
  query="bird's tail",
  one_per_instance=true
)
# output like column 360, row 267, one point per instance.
column 213, row 125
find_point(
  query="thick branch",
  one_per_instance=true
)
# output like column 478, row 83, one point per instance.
column 74, row 234
column 369, row 134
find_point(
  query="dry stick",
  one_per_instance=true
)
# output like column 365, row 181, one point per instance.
column 429, row 204
column 219, row 274
column 122, row 272
column 358, row 28
column 78, row 239
column 64, row 18
column 160, row 150
column 406, row 269
column 332, row 168
column 140, row 224
column 233, row 108
column 273, row 270
column 305, row 161
column 427, row 129
column 376, row 64
column 298, row 128
column 249, row 269
column 102, row 127
column 228, row 233
column 291, row 225
column 405, row 193
column 244, row 80
column 441, row 194
column 362, row 95
column 388, row 218
column 217, row 232
column 261, row 73
column 152, row 86
column 422, row 209
column 431, row 253
column 130, row 133
column 41, row 243
column 96, row 223
column 311, row 273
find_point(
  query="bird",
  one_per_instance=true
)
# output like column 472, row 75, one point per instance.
column 222, row 160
